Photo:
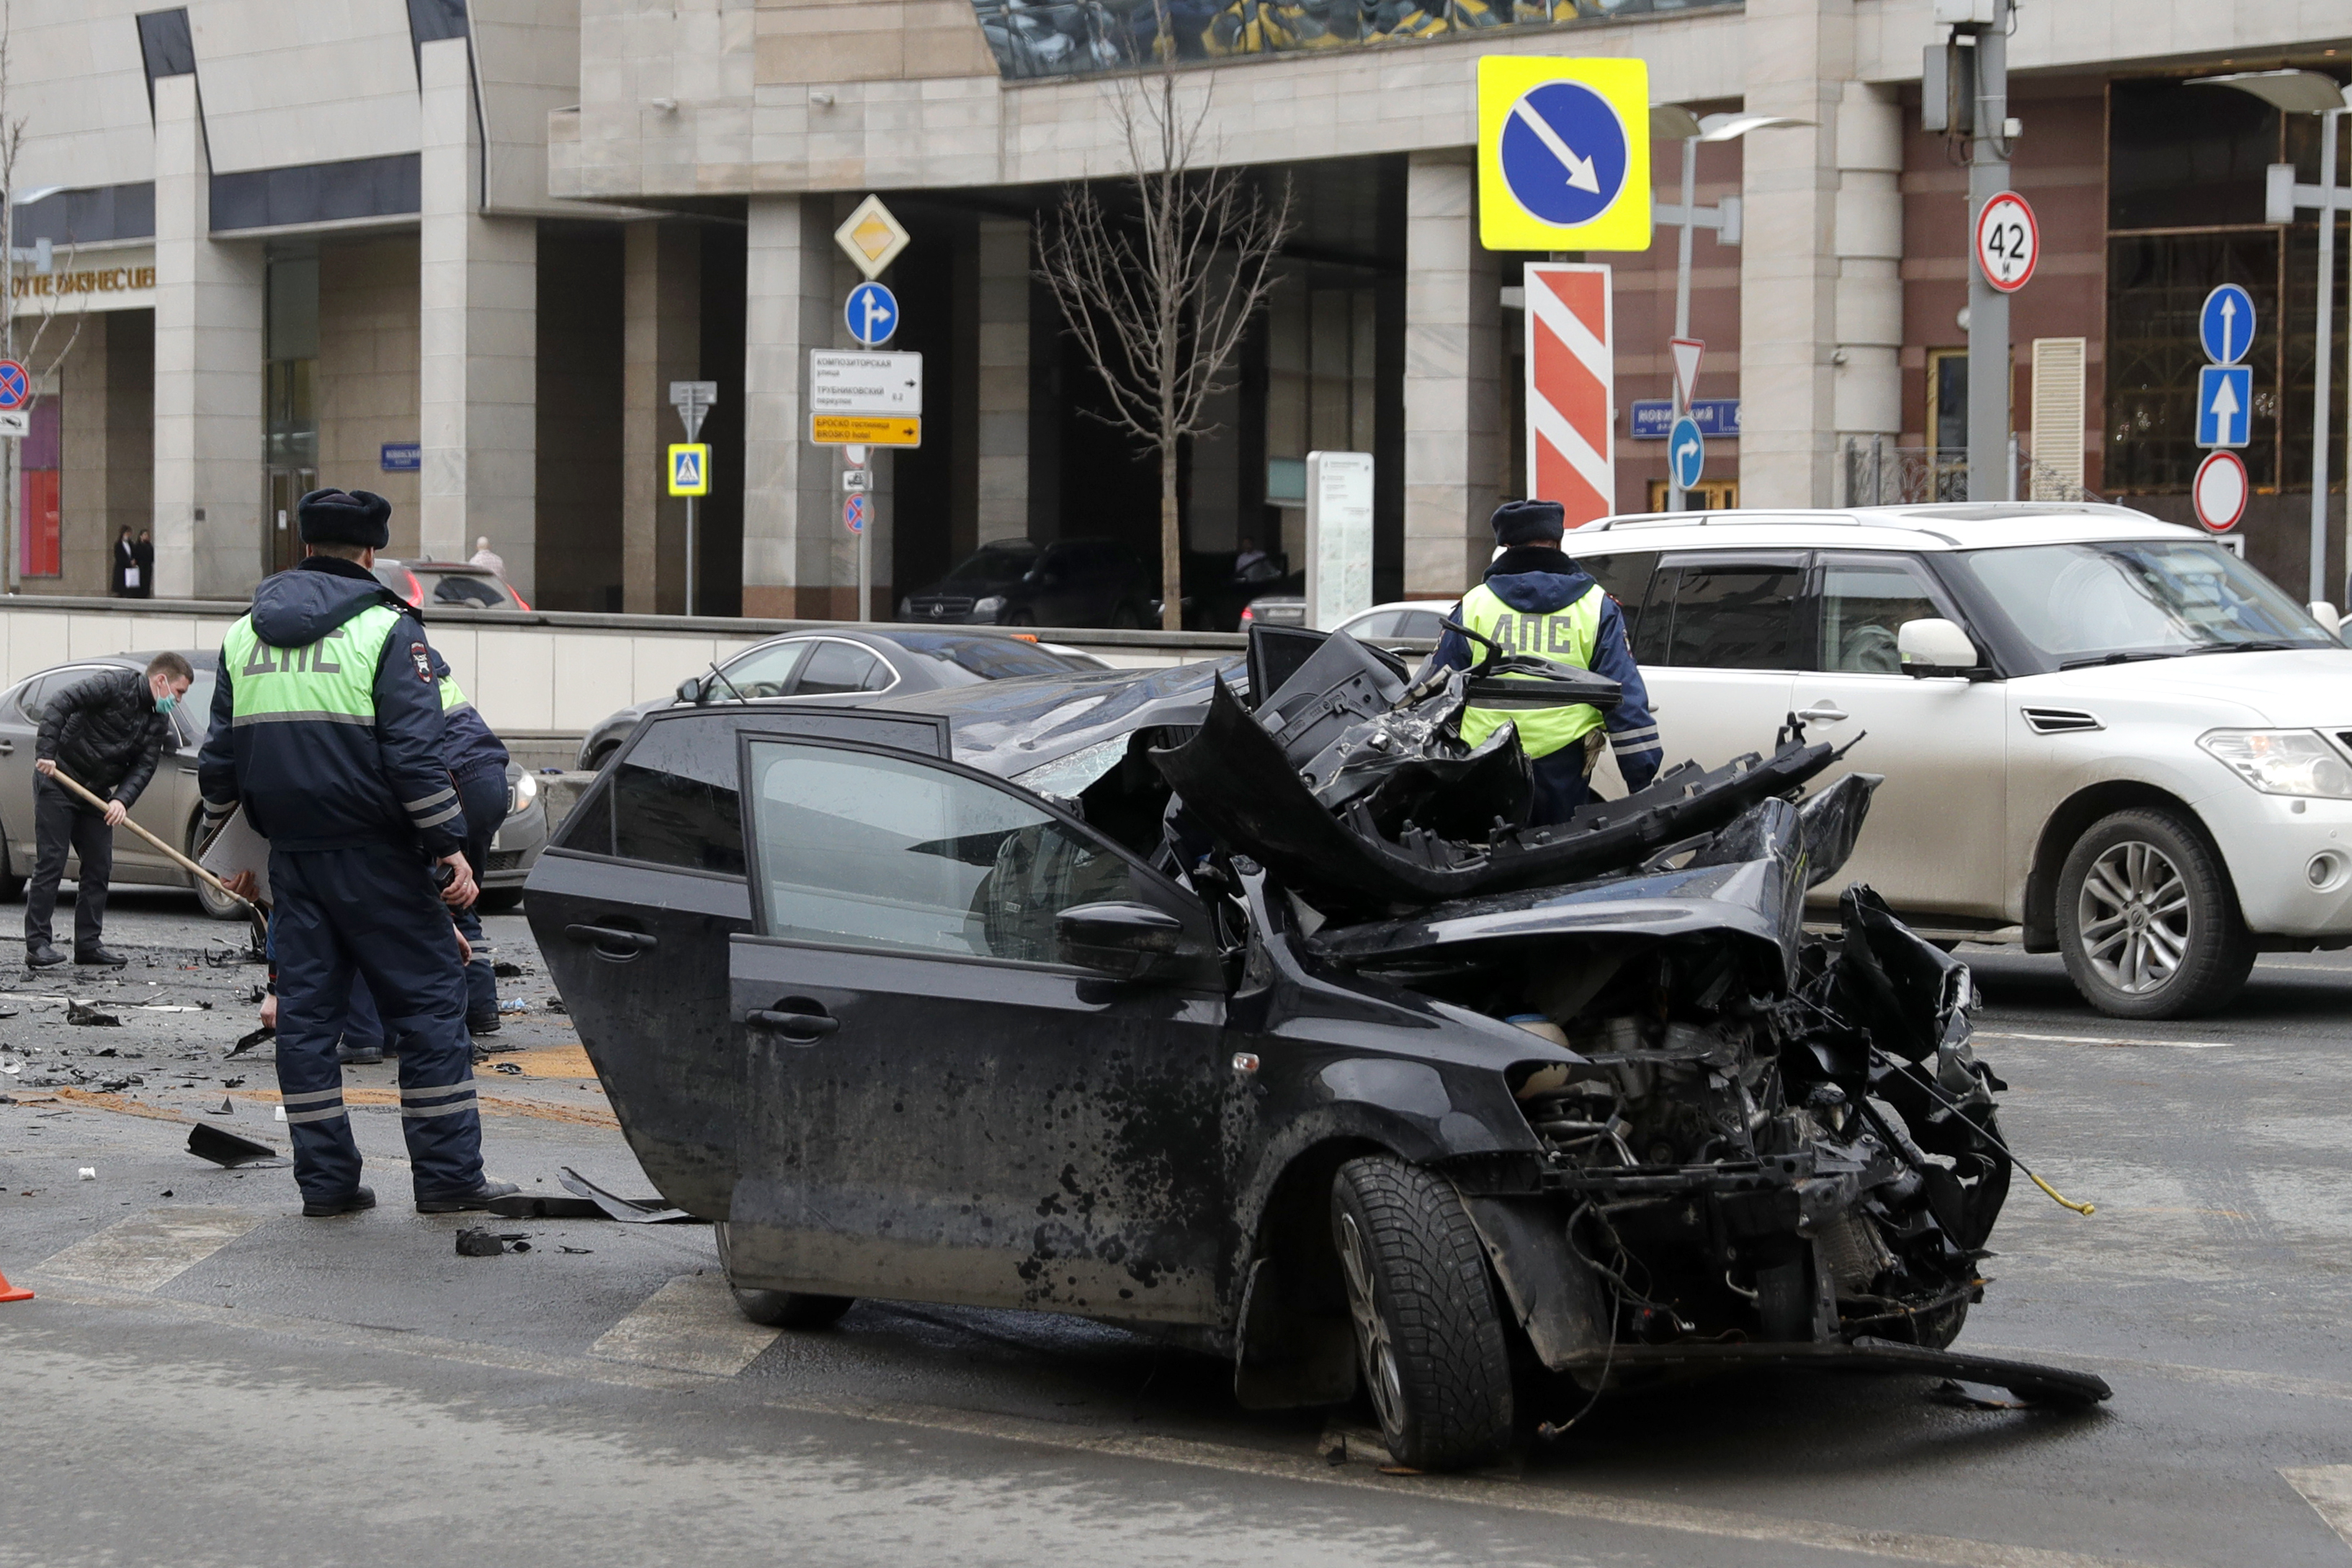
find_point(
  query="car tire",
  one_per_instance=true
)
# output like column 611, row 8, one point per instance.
column 598, row 763
column 2147, row 919
column 216, row 907
column 780, row 1309
column 499, row 901
column 1429, row 1339
column 12, row 886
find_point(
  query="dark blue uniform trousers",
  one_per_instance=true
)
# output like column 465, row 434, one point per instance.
column 1561, row 787
column 483, row 794
column 374, row 913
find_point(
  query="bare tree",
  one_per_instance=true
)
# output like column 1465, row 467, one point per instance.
column 11, row 144
column 1160, row 289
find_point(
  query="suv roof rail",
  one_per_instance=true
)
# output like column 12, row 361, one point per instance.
column 1758, row 519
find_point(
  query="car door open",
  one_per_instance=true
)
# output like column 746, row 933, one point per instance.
column 984, row 1047
column 1718, row 641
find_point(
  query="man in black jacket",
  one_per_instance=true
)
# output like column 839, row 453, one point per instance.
column 106, row 734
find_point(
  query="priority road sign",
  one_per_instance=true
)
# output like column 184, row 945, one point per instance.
column 854, row 513
column 2009, row 242
column 690, row 469
column 1687, row 453
column 15, row 385
column 2221, row 490
column 2225, row 405
column 872, row 313
column 2226, row 324
column 871, row 237
column 1563, row 154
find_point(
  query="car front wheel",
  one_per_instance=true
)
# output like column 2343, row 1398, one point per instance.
column 2147, row 920
column 1428, row 1336
column 780, row 1309
column 217, row 905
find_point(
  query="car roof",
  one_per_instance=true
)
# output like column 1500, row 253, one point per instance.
column 1008, row 727
column 1438, row 604
column 1989, row 525
column 475, row 568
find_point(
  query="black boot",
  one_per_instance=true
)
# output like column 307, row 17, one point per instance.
column 42, row 955
column 100, row 955
column 360, row 1198
column 478, row 1199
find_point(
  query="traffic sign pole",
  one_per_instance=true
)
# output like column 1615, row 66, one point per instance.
column 1988, row 306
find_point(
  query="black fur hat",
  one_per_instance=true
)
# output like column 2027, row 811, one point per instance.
column 345, row 517
column 1529, row 523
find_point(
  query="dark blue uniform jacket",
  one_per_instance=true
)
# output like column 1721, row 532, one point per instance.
column 314, row 784
column 1537, row 580
column 468, row 744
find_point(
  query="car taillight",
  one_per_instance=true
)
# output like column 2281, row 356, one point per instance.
column 1024, row 637
column 512, row 595
column 1247, row 614
column 416, row 589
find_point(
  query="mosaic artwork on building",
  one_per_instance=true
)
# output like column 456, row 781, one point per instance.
column 1073, row 38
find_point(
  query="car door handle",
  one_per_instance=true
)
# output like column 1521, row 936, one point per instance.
column 7, row 748
column 1825, row 712
column 609, row 942
column 793, row 1026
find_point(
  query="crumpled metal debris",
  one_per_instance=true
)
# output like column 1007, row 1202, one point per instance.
column 83, row 1013
column 475, row 1243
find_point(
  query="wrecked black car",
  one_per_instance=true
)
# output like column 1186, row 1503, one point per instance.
column 1240, row 1004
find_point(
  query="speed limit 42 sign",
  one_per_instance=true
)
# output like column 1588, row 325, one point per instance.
column 2009, row 242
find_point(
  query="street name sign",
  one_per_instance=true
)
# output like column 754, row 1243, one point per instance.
column 1718, row 417
column 1563, row 154
column 864, row 399
column 2009, row 242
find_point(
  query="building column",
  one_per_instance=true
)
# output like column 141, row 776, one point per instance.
column 1800, row 53
column 479, row 328
column 1868, row 380
column 661, row 342
column 787, row 483
column 1004, row 271
column 211, row 301
column 1453, row 380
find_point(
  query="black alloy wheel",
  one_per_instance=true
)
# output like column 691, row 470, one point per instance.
column 2147, row 919
column 1429, row 1339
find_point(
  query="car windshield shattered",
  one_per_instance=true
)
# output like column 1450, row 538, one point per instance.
column 2081, row 604
column 1244, row 1005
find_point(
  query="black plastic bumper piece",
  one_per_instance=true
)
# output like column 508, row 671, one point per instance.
column 2029, row 1381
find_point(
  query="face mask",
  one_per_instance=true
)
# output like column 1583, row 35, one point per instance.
column 166, row 703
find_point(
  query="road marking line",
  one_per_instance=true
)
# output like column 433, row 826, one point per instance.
column 690, row 1325
column 148, row 1251
column 2329, row 1489
column 2108, row 1040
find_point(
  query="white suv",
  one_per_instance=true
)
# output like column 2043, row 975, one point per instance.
column 2101, row 734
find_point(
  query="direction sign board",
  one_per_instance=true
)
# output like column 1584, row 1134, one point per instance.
column 2226, row 324
column 1687, row 453
column 854, row 513
column 690, row 469
column 872, row 313
column 2009, row 242
column 871, row 237
column 2225, row 405
column 2220, row 491
column 1563, row 154
column 15, row 385
column 693, row 400
column 864, row 399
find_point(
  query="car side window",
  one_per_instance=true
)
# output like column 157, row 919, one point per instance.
column 1372, row 627
column 764, row 672
column 674, row 800
column 1722, row 615
column 31, row 697
column 1426, row 623
column 859, row 849
column 833, row 668
column 1623, row 577
column 1863, row 604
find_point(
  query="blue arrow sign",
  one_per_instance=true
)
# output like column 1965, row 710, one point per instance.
column 1564, row 153
column 872, row 314
column 1687, row 453
column 2225, row 405
column 2226, row 326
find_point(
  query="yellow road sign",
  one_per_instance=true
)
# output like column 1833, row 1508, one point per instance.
column 1563, row 154
column 864, row 430
column 690, row 469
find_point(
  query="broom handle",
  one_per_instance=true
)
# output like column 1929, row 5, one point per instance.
column 70, row 782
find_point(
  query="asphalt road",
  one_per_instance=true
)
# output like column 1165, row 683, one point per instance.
column 207, row 1378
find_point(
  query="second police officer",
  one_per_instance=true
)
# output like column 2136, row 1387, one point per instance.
column 327, row 726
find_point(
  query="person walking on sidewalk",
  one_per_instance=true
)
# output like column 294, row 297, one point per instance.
column 106, row 733
column 326, row 725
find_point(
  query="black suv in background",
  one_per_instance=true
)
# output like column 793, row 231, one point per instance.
column 1019, row 582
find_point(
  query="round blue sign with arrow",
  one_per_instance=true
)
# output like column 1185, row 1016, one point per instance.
column 2226, row 325
column 1564, row 152
column 15, row 385
column 1685, row 453
column 872, row 314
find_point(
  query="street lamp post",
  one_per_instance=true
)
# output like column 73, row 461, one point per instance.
column 1673, row 122
column 2308, row 92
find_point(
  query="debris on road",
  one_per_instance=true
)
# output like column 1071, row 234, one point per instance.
column 89, row 1172
column 85, row 1014
column 246, row 1042
column 628, row 1210
column 475, row 1243
column 227, row 1149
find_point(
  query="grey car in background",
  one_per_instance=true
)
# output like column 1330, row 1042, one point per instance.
column 171, row 809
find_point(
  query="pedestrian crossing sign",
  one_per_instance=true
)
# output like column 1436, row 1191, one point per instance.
column 690, row 469
column 1563, row 154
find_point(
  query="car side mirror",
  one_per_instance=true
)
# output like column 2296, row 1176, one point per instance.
column 1935, row 647
column 2329, row 621
column 690, row 690
column 1126, row 941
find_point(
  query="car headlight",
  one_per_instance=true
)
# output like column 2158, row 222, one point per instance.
column 2282, row 762
column 526, row 790
column 990, row 605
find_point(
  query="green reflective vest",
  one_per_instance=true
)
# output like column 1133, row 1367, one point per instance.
column 1565, row 636
column 331, row 681
column 452, row 698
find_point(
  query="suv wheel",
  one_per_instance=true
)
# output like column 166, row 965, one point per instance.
column 2147, row 920
column 1427, row 1334
column 216, row 907
column 12, row 886
column 780, row 1309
